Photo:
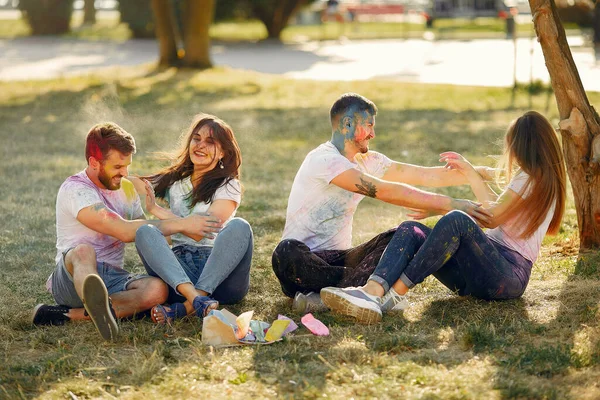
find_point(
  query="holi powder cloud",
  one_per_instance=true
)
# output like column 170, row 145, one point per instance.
column 102, row 105
column 108, row 104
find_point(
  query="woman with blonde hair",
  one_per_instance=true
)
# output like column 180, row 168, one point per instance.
column 489, row 265
column 203, row 178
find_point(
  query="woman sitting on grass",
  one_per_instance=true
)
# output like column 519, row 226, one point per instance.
column 489, row 265
column 203, row 179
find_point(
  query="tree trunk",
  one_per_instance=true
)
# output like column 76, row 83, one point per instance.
column 579, row 125
column 47, row 17
column 165, row 33
column 89, row 12
column 198, row 17
column 596, row 23
column 276, row 16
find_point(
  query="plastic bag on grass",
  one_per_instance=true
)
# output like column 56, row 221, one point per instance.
column 222, row 328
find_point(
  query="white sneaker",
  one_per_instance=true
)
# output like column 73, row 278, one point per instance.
column 308, row 303
column 392, row 301
column 354, row 302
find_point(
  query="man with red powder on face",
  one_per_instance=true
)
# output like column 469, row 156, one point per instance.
column 316, row 249
column 97, row 212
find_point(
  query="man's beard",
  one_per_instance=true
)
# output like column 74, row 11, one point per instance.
column 107, row 180
column 363, row 147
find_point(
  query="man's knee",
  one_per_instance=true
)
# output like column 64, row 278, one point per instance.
column 287, row 250
column 153, row 291
column 81, row 256
column 290, row 246
column 287, row 255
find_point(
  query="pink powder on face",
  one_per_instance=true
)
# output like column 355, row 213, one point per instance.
column 361, row 134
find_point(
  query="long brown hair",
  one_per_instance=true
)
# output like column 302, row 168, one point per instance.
column 532, row 145
column 181, row 165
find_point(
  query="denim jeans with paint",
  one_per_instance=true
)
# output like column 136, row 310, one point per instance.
column 223, row 271
column 301, row 270
column 459, row 254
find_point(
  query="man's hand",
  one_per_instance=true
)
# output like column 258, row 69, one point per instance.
column 481, row 215
column 204, row 225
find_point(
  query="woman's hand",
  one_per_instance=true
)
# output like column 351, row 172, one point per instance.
column 456, row 161
column 202, row 225
column 150, row 197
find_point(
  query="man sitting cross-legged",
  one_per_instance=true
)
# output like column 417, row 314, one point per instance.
column 97, row 212
column 316, row 250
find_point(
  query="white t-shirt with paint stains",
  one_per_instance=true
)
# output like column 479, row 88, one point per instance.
column 507, row 233
column 179, row 203
column 320, row 214
column 79, row 192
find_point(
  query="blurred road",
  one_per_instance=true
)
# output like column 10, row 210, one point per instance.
column 481, row 62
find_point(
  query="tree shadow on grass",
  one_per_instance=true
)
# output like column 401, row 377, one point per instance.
column 452, row 332
column 530, row 359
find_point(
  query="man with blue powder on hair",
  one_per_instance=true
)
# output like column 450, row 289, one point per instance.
column 316, row 249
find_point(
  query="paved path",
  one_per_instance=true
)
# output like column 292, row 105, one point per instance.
column 482, row 62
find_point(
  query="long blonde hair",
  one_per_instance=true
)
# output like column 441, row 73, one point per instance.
column 532, row 145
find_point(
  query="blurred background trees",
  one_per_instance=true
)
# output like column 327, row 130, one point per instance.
column 597, row 28
column 52, row 17
column 580, row 12
column 47, row 17
column 89, row 12
column 182, row 30
column 137, row 14
column 274, row 14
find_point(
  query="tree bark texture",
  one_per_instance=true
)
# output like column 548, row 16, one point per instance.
column 579, row 125
column 89, row 12
column 198, row 17
column 165, row 32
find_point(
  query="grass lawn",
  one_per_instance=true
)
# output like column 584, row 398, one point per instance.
column 109, row 28
column 542, row 346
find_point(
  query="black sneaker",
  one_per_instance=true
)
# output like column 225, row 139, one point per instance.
column 44, row 314
column 97, row 305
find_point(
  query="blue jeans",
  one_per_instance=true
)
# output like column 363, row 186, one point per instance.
column 223, row 271
column 459, row 254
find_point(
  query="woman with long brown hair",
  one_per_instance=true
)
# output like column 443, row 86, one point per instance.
column 203, row 178
column 489, row 265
